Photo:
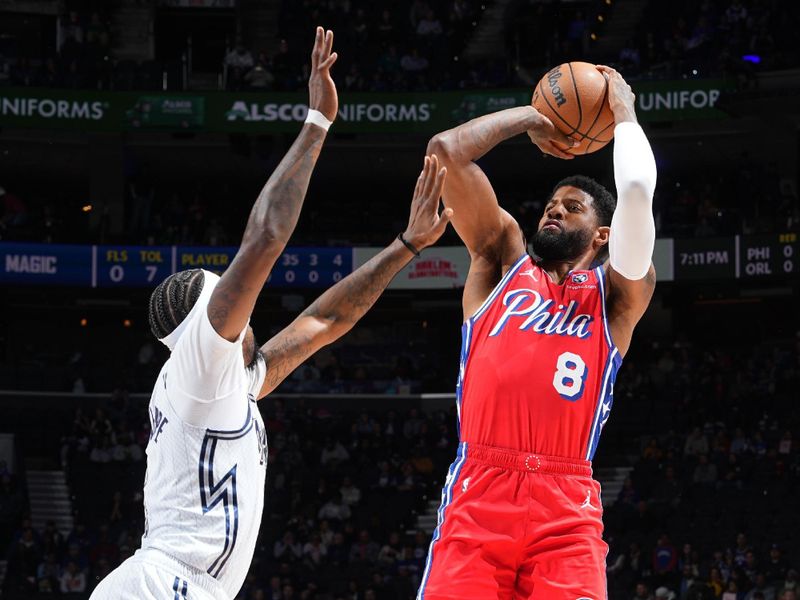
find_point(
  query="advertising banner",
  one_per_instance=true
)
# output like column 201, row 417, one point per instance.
column 259, row 113
column 438, row 268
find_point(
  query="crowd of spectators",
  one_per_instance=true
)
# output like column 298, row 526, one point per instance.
column 733, row 38
column 82, row 56
column 403, row 356
column 673, row 40
column 706, row 513
column 418, row 46
column 388, row 46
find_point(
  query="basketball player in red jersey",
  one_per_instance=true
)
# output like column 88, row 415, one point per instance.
column 543, row 340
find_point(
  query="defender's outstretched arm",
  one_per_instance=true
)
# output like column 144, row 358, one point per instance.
column 335, row 312
column 274, row 215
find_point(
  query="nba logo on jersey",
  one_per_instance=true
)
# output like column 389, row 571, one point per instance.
column 580, row 278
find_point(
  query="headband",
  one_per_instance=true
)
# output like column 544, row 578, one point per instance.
column 210, row 281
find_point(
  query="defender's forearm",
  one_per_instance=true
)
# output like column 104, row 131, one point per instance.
column 349, row 300
column 274, row 214
column 475, row 138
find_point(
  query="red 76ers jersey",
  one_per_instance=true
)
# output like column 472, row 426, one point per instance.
column 538, row 364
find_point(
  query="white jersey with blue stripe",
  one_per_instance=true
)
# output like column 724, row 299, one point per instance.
column 204, row 487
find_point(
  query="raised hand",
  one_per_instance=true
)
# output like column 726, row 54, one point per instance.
column 322, row 94
column 621, row 98
column 425, row 224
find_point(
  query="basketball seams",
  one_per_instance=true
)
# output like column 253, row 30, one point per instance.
column 583, row 136
column 577, row 97
column 599, row 110
column 554, row 111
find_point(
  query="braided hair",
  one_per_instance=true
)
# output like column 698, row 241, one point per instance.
column 172, row 300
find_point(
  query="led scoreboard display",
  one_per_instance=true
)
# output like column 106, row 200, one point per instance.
column 143, row 266
column 705, row 258
column 130, row 265
column 772, row 255
column 296, row 267
column 750, row 257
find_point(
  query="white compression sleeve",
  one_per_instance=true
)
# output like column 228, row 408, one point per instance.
column 633, row 229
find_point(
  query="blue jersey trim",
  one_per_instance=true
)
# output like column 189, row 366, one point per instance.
column 232, row 434
column 224, row 491
column 499, row 287
column 466, row 340
column 180, row 587
column 605, row 401
column 601, row 280
column 447, row 497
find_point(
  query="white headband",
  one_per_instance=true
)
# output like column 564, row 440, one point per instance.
column 210, row 281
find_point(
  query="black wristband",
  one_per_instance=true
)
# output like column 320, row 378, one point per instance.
column 408, row 244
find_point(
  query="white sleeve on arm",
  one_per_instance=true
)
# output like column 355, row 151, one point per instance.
column 207, row 380
column 633, row 229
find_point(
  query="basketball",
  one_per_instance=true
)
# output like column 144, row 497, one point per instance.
column 574, row 96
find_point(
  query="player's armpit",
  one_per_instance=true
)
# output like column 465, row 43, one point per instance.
column 626, row 302
column 290, row 348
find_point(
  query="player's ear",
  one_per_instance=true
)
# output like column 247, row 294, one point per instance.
column 601, row 236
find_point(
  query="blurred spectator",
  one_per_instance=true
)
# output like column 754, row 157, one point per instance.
column 73, row 580
column 260, row 77
column 239, row 61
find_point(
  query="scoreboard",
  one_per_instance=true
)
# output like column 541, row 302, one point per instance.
column 772, row 255
column 738, row 257
column 130, row 266
column 747, row 257
column 146, row 266
column 705, row 258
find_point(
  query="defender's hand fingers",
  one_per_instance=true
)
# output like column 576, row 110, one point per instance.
column 438, row 187
column 328, row 63
column 441, row 224
column 433, row 169
column 317, row 48
column 423, row 180
column 418, row 185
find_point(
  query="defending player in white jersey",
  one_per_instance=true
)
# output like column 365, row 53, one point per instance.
column 207, row 454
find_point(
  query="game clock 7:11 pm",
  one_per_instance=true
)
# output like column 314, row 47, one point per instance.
column 705, row 258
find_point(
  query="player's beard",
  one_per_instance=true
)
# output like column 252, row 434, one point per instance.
column 550, row 245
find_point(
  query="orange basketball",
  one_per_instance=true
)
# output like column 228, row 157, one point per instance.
column 574, row 96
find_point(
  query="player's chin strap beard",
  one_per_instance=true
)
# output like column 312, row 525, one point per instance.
column 566, row 245
column 210, row 281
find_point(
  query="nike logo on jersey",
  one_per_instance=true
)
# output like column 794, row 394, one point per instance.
column 532, row 312
column 157, row 422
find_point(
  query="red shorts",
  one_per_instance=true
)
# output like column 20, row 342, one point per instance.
column 514, row 526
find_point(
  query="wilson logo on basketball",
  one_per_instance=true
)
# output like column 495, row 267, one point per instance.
column 555, row 89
